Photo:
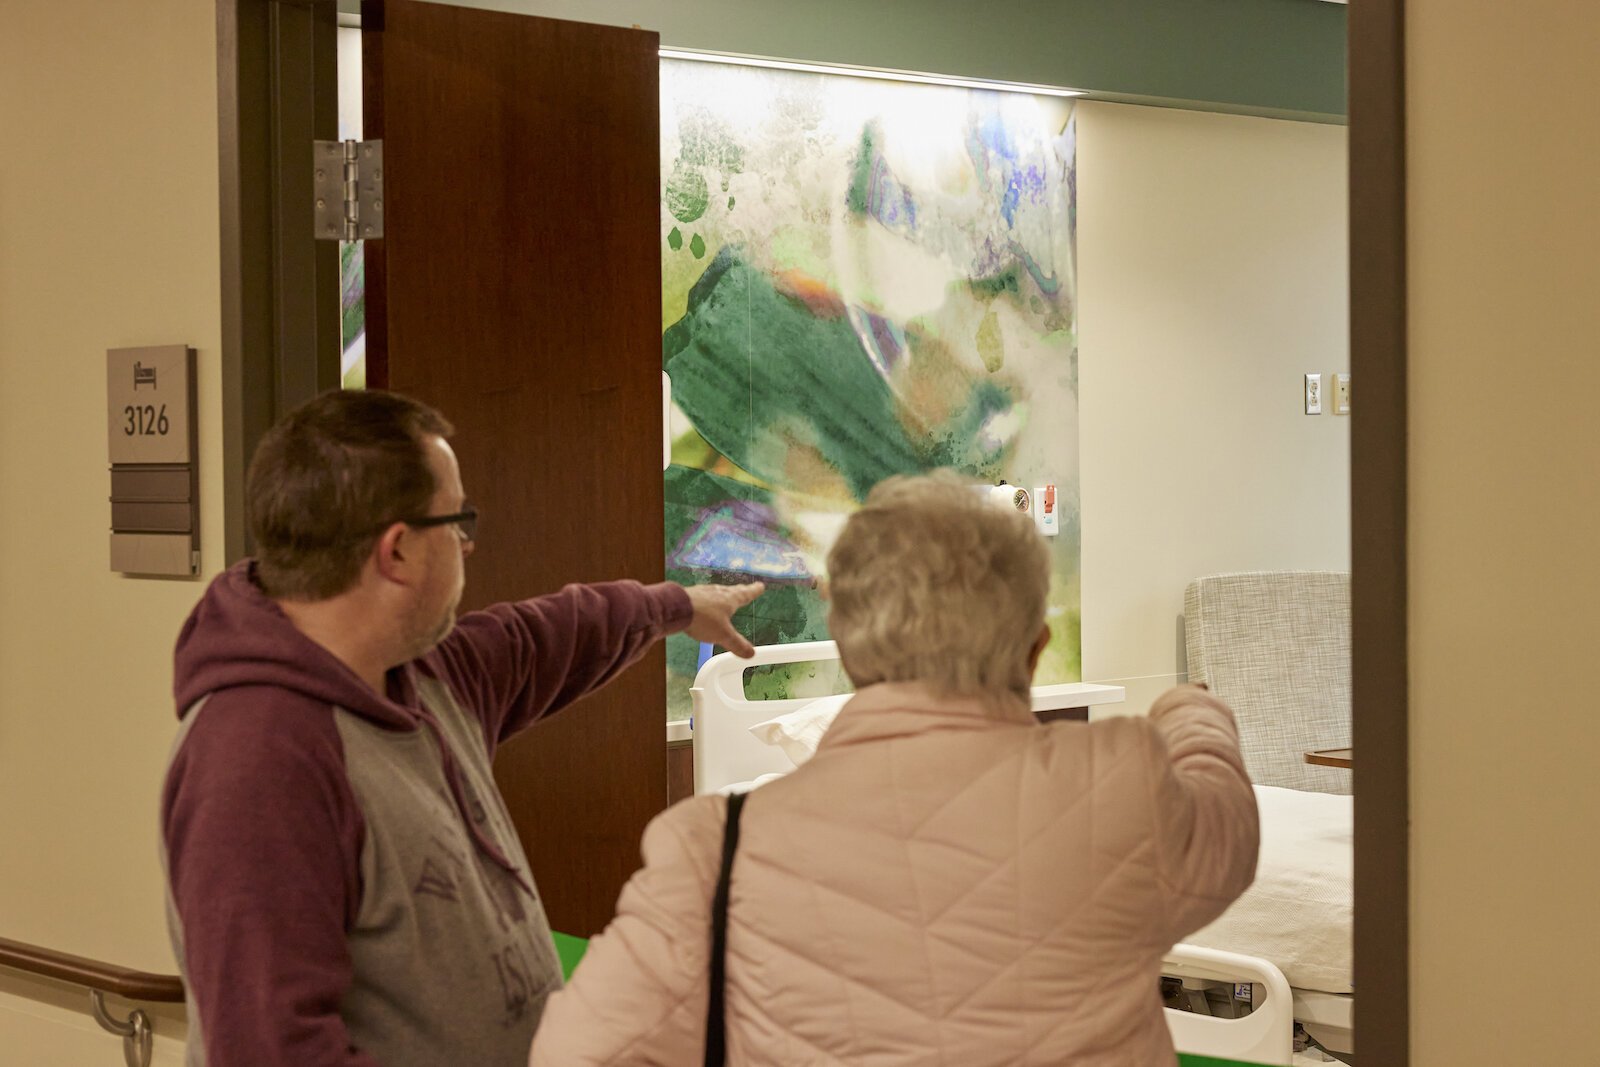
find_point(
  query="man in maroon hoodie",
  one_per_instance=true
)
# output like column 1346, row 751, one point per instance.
column 345, row 886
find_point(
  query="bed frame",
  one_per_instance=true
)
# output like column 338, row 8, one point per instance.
column 726, row 754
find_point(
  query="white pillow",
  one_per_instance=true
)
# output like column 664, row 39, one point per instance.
column 799, row 731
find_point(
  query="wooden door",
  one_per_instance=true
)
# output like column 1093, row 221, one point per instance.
column 518, row 289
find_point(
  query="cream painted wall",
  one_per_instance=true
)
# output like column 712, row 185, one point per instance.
column 1503, row 149
column 108, row 237
column 1212, row 275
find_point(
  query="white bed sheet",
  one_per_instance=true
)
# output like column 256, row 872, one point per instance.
column 1298, row 911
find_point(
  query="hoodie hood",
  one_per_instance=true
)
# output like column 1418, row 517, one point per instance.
column 237, row 636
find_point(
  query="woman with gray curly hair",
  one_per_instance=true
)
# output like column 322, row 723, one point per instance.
column 946, row 880
column 930, row 584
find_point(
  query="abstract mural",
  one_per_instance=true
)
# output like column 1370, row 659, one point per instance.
column 861, row 278
column 352, row 315
column 352, row 254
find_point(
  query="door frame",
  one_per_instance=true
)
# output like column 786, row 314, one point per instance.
column 1378, row 472
column 277, row 91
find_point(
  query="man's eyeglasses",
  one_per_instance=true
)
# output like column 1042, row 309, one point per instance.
column 465, row 521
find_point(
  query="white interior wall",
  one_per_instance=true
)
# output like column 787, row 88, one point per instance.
column 1212, row 276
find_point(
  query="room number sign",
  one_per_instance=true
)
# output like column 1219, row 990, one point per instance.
column 148, row 396
column 150, row 435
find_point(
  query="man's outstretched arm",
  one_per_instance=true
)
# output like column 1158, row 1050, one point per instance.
column 515, row 663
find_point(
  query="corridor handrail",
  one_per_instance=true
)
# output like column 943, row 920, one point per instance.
column 124, row 982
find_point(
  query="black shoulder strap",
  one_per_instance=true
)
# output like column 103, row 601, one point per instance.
column 716, row 1031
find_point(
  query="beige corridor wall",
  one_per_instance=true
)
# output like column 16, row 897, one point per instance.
column 1503, row 149
column 1212, row 276
column 108, row 238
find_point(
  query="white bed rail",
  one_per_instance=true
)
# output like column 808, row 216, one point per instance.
column 1264, row 1036
column 724, row 750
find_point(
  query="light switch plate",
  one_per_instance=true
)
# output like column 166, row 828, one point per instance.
column 1341, row 394
column 1314, row 394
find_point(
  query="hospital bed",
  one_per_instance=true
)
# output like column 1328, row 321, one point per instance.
column 1276, row 646
column 729, row 756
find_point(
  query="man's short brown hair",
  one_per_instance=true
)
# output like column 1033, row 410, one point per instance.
column 327, row 480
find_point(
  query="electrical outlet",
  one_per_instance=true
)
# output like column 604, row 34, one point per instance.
column 1341, row 394
column 1313, row 394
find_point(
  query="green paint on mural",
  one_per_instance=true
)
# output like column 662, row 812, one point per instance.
column 352, row 313
column 691, row 490
column 991, row 346
column 1062, row 657
column 856, row 198
column 707, row 145
column 689, row 449
column 352, row 279
column 804, row 249
column 792, row 612
column 730, row 203
column 678, row 275
column 708, row 141
column 785, row 681
column 813, row 391
column 698, row 247
column 675, row 239
column 687, row 194
column 1008, row 283
column 962, row 443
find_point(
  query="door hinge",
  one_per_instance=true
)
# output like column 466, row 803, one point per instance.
column 349, row 190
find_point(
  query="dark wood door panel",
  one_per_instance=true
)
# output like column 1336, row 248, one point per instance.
column 517, row 288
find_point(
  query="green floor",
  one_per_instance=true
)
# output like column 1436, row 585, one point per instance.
column 571, row 950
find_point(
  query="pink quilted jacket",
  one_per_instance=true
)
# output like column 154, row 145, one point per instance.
column 938, row 885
